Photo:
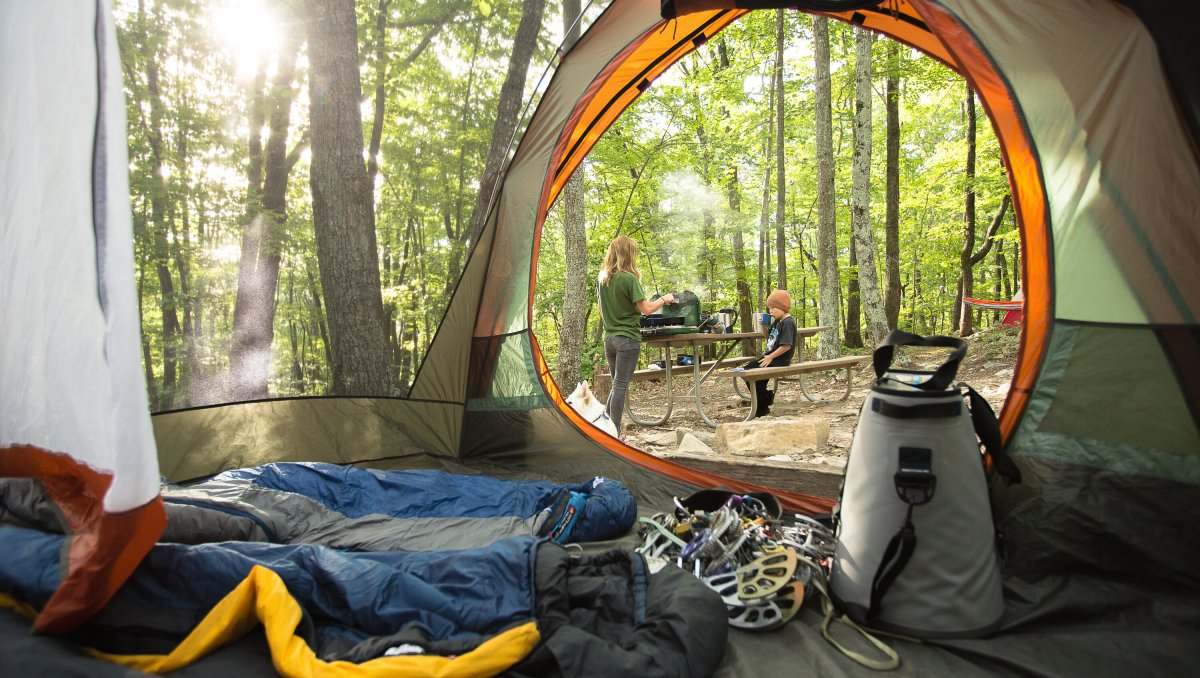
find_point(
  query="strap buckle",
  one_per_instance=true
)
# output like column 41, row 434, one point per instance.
column 915, row 481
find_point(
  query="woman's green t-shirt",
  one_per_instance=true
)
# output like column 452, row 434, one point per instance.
column 618, row 305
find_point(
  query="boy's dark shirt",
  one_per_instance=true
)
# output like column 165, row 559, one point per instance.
column 782, row 332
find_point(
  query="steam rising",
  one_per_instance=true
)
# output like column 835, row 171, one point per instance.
column 677, row 240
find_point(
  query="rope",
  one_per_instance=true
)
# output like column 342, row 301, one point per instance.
column 891, row 658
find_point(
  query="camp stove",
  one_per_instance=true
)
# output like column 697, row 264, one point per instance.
column 681, row 317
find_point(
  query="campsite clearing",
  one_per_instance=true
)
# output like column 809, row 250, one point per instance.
column 988, row 367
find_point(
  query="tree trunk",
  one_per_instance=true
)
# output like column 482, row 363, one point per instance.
column 741, row 284
column 918, row 314
column 853, row 305
column 893, row 294
column 399, row 355
column 575, row 297
column 733, row 197
column 181, row 250
column 318, row 315
column 343, row 212
column 860, row 197
column 147, row 352
column 828, row 345
column 989, row 237
column 707, row 261
column 745, row 318
column 966, row 285
column 457, row 246
column 1002, row 271
column 575, row 292
column 941, row 313
column 1000, row 274
column 158, row 214
column 380, row 104
column 781, row 192
column 297, row 371
column 1016, row 269
column 262, row 233
column 423, row 278
column 508, row 109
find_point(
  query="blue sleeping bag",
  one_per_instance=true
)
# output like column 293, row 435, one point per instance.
column 350, row 507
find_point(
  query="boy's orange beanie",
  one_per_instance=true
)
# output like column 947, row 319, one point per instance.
column 780, row 299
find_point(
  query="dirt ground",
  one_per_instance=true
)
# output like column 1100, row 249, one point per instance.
column 988, row 368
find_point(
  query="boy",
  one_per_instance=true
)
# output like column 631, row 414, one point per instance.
column 781, row 344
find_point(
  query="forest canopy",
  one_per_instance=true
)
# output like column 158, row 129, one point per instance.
column 270, row 232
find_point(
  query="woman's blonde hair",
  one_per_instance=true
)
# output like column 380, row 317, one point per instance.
column 622, row 256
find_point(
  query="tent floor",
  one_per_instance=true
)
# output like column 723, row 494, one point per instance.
column 1077, row 625
column 32, row 656
column 1082, row 625
column 1085, row 626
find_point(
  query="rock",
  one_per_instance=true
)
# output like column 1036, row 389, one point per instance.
column 779, row 457
column 767, row 437
column 818, row 480
column 706, row 437
column 690, row 444
column 666, row 439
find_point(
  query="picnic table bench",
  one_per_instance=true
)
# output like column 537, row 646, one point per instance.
column 702, row 371
column 795, row 370
column 604, row 380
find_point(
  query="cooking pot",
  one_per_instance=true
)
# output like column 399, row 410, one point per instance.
column 727, row 316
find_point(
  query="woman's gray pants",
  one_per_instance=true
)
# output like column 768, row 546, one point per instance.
column 622, row 354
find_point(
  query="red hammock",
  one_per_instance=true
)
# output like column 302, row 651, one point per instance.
column 1014, row 308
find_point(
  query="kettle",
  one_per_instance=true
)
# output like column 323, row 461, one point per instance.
column 727, row 316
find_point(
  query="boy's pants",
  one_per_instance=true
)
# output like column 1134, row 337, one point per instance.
column 765, row 397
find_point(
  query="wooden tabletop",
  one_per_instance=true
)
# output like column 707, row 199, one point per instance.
column 701, row 338
column 698, row 338
column 810, row 331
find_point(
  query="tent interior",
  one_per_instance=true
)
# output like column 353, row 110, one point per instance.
column 1096, row 106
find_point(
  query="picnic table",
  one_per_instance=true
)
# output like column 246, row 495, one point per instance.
column 696, row 342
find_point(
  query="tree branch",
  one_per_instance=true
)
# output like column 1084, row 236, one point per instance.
column 427, row 40
column 991, row 232
column 296, row 152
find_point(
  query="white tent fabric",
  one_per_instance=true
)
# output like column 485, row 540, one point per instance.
column 68, row 313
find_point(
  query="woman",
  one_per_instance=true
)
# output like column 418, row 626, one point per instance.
column 622, row 303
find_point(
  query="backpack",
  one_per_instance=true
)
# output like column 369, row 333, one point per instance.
column 916, row 546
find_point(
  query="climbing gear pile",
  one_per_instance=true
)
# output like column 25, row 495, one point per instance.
column 739, row 546
column 763, row 567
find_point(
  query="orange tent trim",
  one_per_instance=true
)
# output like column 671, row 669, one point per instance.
column 104, row 547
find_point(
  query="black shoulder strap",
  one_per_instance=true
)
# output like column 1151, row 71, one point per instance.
column 942, row 377
column 895, row 558
column 983, row 418
column 915, row 484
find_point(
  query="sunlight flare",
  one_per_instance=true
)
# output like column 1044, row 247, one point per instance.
column 249, row 33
